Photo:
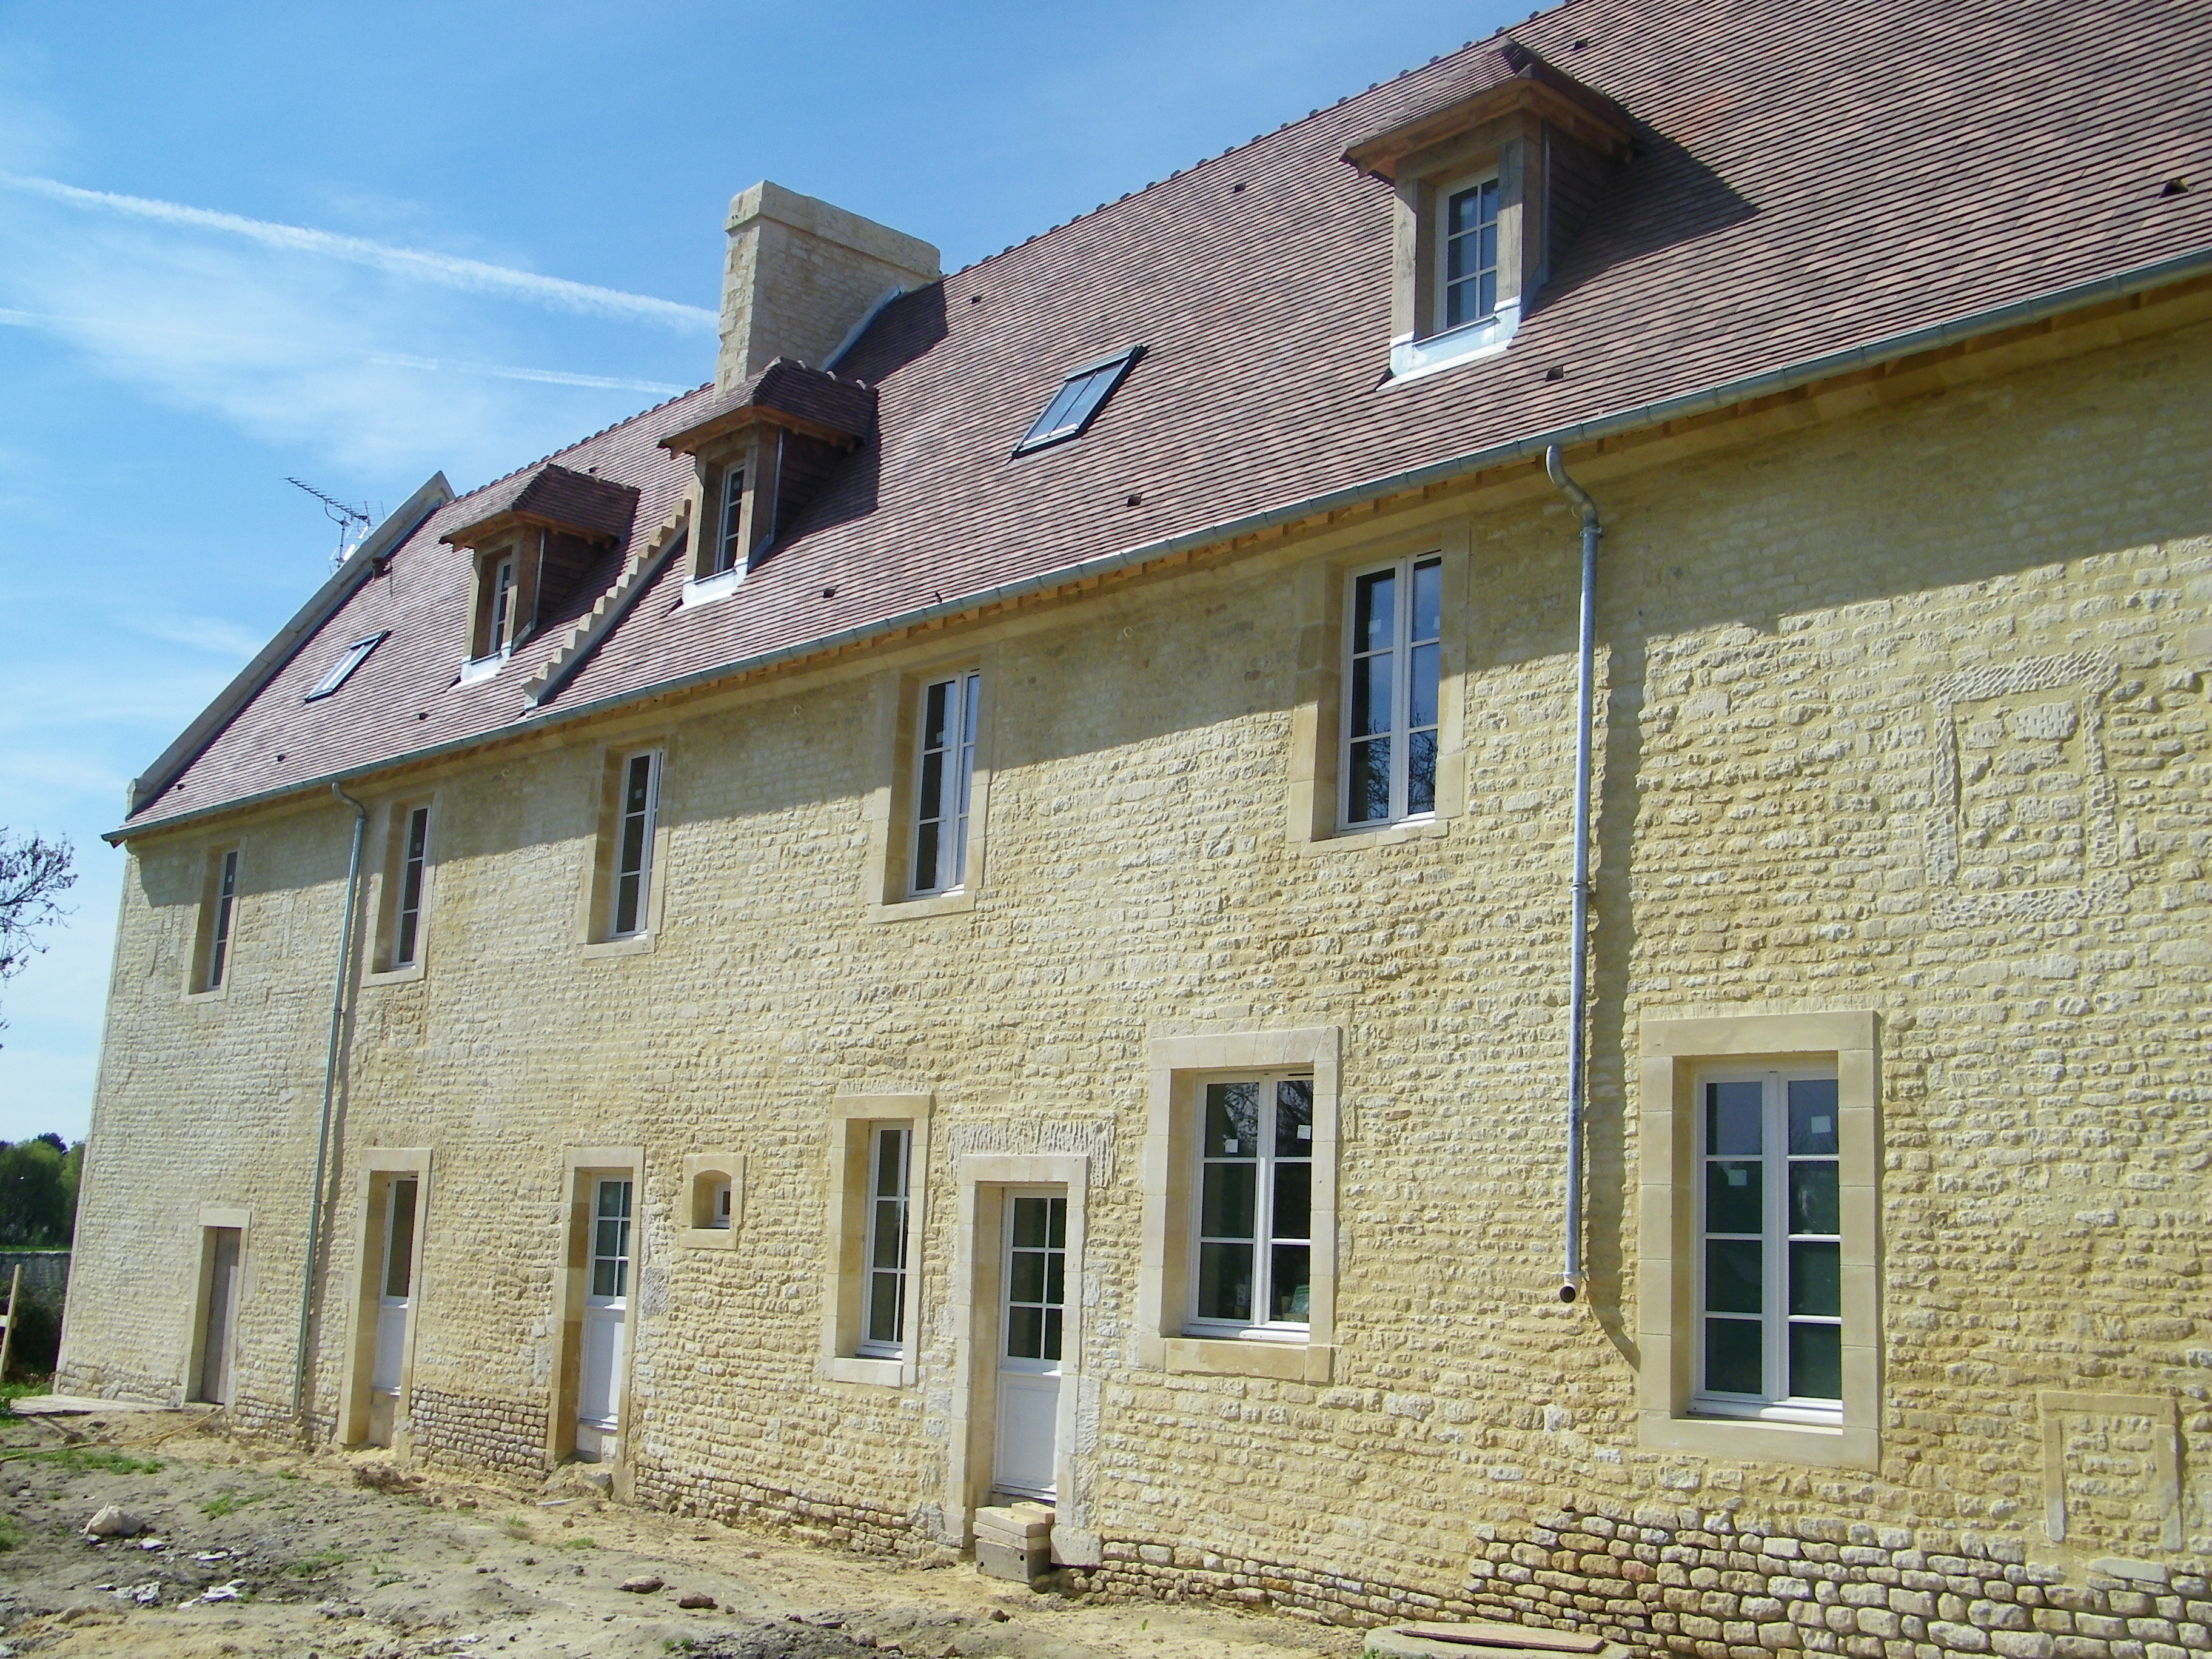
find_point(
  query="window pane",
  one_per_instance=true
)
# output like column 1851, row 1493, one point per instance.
column 1816, row 1362
column 1733, row 1193
column 640, row 784
column 1289, row 1291
column 1293, row 1201
column 1370, row 695
column 1421, row 772
column 1025, row 1332
column 1733, row 1275
column 1056, row 1225
column 1813, row 1116
column 934, row 725
column 1488, row 237
column 1813, row 1206
column 884, row 1313
column 1224, row 1281
column 1459, row 258
column 399, row 1241
column 890, row 1162
column 1375, row 611
column 626, row 905
column 1733, row 1362
column 1029, row 1224
column 1369, row 793
column 1227, row 1209
column 1816, row 1280
column 1428, row 599
column 1486, row 293
column 403, row 951
column 1052, row 1323
column 1421, row 686
column 929, row 796
column 603, row 1278
column 1055, row 1278
column 925, row 857
column 1294, row 1118
column 1232, row 1120
column 890, row 1236
column 1466, row 210
column 1025, row 1276
column 633, row 843
column 1732, row 1120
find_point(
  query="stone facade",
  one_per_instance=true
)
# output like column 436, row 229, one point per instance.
column 1903, row 715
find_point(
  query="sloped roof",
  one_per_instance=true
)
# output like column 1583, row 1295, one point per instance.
column 598, row 508
column 784, row 387
column 1812, row 179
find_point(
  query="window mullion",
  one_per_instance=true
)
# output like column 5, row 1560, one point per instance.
column 1776, row 1180
column 1263, row 1208
column 1401, row 706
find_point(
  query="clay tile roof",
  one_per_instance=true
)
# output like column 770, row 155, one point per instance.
column 1812, row 183
column 784, row 388
column 596, row 509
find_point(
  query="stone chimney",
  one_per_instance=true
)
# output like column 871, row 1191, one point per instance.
column 802, row 275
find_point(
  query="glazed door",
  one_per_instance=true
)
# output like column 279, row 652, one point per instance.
column 395, row 1285
column 606, row 1318
column 1033, row 1280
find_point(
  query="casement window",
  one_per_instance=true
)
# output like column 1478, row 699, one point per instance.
column 729, row 546
column 407, row 917
column 1393, row 679
column 1467, row 251
column 1770, row 1226
column 1252, row 1257
column 944, row 775
column 498, row 627
column 639, row 810
column 883, row 1334
column 211, row 963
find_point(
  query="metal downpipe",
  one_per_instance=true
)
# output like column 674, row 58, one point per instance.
column 1571, row 1282
column 330, row 1093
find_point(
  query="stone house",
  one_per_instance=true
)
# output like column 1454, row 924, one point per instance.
column 987, row 906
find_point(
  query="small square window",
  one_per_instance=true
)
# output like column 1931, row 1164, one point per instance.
column 1076, row 404
column 355, row 655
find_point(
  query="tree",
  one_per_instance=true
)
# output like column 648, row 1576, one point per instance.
column 33, row 874
column 38, row 1193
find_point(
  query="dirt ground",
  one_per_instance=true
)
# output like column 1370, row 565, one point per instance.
column 306, row 1561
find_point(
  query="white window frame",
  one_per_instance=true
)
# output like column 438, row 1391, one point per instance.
column 222, row 924
column 414, row 877
column 886, row 1210
column 1401, row 733
column 1776, row 1404
column 729, row 527
column 1263, row 1241
column 500, row 625
column 342, row 670
column 953, row 802
column 649, row 817
column 1444, row 195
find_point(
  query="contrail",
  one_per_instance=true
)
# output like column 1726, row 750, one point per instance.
column 443, row 268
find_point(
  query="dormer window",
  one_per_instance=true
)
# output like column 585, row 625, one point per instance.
column 534, row 536
column 1489, row 186
column 499, row 618
column 729, row 550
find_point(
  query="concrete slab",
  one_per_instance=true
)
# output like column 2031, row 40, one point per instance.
column 76, row 1404
column 1496, row 1642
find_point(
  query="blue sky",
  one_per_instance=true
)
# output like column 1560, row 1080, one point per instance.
column 360, row 245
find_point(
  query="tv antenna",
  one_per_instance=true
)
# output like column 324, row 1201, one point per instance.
column 345, row 516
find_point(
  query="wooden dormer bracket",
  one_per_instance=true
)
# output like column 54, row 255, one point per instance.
column 1535, row 89
column 490, row 532
column 710, row 437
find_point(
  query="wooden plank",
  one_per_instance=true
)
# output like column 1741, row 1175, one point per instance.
column 1508, row 1636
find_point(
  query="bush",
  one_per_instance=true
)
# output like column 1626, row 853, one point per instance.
column 38, row 1340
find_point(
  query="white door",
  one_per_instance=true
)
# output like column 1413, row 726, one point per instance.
column 606, row 1318
column 395, row 1288
column 1033, row 1278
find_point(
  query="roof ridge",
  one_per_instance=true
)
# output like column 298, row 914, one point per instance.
column 1319, row 110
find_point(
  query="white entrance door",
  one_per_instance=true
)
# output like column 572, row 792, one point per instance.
column 395, row 1295
column 606, row 1319
column 1033, row 1275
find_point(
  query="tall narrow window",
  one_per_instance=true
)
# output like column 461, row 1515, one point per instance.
column 502, row 607
column 944, row 776
column 882, row 1333
column 633, row 871
column 1252, row 1270
column 225, row 901
column 1391, row 692
column 1769, row 1274
column 1466, row 251
column 407, row 921
column 610, row 1239
column 729, row 547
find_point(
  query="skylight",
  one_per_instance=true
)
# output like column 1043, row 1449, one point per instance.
column 355, row 655
column 1081, row 397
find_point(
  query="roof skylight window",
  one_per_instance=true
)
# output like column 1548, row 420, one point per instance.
column 1081, row 397
column 355, row 655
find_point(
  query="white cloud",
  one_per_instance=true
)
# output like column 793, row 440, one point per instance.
column 209, row 634
column 448, row 269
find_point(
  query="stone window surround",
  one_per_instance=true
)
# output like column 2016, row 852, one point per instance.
column 1673, row 1049
column 379, row 1165
column 196, row 989
column 1323, row 588
column 239, row 1217
column 593, row 911
column 582, row 1168
column 845, row 1269
column 894, row 719
column 1180, row 1065
column 982, row 1180
column 711, row 1166
column 385, row 875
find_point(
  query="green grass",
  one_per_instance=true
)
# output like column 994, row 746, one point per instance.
column 9, row 1535
column 579, row 1544
column 11, row 1392
column 224, row 1503
column 516, row 1528
column 80, row 1458
column 307, row 1565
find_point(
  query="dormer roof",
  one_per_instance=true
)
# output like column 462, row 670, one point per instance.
column 785, row 393
column 1512, row 78
column 551, row 497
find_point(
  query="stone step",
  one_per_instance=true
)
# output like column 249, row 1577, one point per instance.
column 1486, row 1641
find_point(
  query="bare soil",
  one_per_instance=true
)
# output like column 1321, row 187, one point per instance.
column 323, row 1567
